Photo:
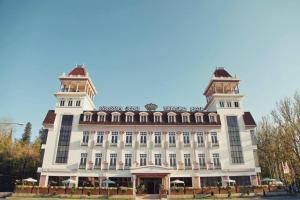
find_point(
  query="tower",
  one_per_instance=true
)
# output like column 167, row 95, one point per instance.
column 76, row 90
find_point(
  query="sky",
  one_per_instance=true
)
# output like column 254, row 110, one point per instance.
column 138, row 52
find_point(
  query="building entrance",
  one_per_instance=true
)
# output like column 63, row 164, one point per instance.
column 152, row 185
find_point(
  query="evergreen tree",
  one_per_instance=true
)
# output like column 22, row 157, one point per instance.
column 27, row 133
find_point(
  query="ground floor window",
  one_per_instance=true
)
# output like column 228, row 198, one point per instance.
column 210, row 181
column 88, row 182
column 187, row 181
column 57, row 180
column 241, row 180
column 122, row 181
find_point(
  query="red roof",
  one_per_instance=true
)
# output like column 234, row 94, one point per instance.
column 248, row 119
column 50, row 117
column 78, row 70
column 221, row 72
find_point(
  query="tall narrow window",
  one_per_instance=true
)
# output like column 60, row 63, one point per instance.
column 114, row 138
column 236, row 104
column 70, row 102
column 157, row 138
column 200, row 139
column 113, row 161
column 216, row 160
column 83, row 160
column 187, row 161
column 98, row 158
column 172, row 139
column 171, row 119
column 128, row 138
column 157, row 159
column 185, row 119
column 78, row 103
column 143, row 118
column 157, row 118
column 143, row 138
column 100, row 136
column 186, row 137
column 85, row 137
column 101, row 118
column 212, row 119
column 214, row 139
column 172, row 160
column 202, row 160
column 129, row 118
column 128, row 160
column 234, row 140
column 62, row 102
column 222, row 104
column 229, row 104
column 64, row 139
column 143, row 159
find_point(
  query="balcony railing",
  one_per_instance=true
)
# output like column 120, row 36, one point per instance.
column 112, row 167
column 189, row 167
column 97, row 166
column 82, row 166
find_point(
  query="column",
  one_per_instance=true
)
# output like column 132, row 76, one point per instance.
column 168, row 184
column 133, row 178
column 75, row 178
column 196, row 182
column 43, row 181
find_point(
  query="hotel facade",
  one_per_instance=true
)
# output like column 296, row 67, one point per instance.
column 200, row 146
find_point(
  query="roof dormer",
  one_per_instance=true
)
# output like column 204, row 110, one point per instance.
column 171, row 117
column 129, row 117
column 185, row 117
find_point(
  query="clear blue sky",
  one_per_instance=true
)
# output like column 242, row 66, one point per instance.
column 146, row 51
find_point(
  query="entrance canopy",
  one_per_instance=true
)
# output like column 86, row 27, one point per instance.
column 150, row 171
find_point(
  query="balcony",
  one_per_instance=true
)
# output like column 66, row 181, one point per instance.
column 97, row 167
column 98, row 144
column 188, row 167
column 112, row 167
column 186, row 144
column 84, row 143
column 201, row 144
column 217, row 167
column 172, row 144
column 128, row 144
column 157, row 145
column 82, row 166
column 127, row 167
column 203, row 167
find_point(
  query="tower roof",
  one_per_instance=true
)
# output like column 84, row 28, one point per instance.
column 78, row 70
column 221, row 72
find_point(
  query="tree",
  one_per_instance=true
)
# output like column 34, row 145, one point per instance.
column 27, row 133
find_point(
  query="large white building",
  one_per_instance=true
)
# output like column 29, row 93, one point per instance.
column 202, row 147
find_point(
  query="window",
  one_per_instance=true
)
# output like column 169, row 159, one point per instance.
column 185, row 119
column 129, row 118
column 143, row 138
column 253, row 137
column 216, row 160
column 98, row 158
column 114, row 137
column 202, row 162
column 115, row 117
column 78, row 103
column 171, row 119
column 229, row 104
column 85, row 137
column 143, row 118
column 222, row 104
column 212, row 118
column 199, row 117
column 88, row 117
column 157, row 117
column 157, row 159
column 70, row 102
column 83, row 160
column 172, row 160
column 186, row 137
column 172, row 139
column 62, row 102
column 100, row 135
column 200, row 138
column 128, row 160
column 64, row 139
column 157, row 138
column 113, row 160
column 236, row 104
column 101, row 118
column 187, row 160
column 143, row 159
column 128, row 137
column 234, row 140
column 214, row 138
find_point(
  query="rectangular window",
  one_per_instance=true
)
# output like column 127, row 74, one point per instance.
column 102, row 118
column 144, row 118
column 236, row 104
column 157, row 138
column 198, row 119
column 186, row 137
column 157, row 159
column 185, row 119
column 172, row 138
column 171, row 118
column 83, row 160
column 78, row 103
column 98, row 158
column 200, row 138
column 187, row 160
column 85, row 137
column 214, row 139
column 172, row 160
column 114, row 137
column 70, row 103
column 143, row 159
column 128, row 138
column 212, row 118
column 234, row 140
column 64, row 139
column 115, row 118
column 88, row 118
column 143, row 138
column 216, row 160
column 229, row 104
column 128, row 160
column 202, row 160
column 62, row 103
column 222, row 104
column 113, row 160
column 100, row 136
column 129, row 118
column 157, row 118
